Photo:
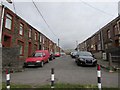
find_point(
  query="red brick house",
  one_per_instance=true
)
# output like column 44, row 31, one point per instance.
column 106, row 40
column 17, row 32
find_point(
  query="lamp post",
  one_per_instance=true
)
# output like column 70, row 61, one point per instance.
column 58, row 45
column 77, row 45
column 119, row 8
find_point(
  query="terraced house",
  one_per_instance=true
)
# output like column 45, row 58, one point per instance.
column 104, row 41
column 16, row 32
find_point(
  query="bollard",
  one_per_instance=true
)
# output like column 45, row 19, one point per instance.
column 99, row 77
column 52, row 77
column 7, row 79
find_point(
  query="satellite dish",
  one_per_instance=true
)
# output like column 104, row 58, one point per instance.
column 9, row 1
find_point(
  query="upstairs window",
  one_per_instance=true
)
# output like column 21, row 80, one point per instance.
column 30, row 33
column 108, row 34
column 43, row 40
column 99, row 46
column 115, row 29
column 99, row 37
column 35, row 36
column 8, row 23
column 40, row 38
column 21, row 29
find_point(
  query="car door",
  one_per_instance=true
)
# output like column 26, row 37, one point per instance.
column 45, row 56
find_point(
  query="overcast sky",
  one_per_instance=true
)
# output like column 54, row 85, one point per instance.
column 69, row 20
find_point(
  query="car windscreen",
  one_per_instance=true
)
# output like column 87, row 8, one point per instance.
column 56, row 52
column 84, row 54
column 37, row 54
column 74, row 53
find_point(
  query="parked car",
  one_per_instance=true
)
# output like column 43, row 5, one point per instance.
column 85, row 58
column 38, row 58
column 73, row 54
column 57, row 54
column 62, row 53
column 52, row 56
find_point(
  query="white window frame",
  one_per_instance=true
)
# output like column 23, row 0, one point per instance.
column 99, row 46
column 35, row 36
column 99, row 37
column 43, row 41
column 30, row 33
column 8, row 22
column 21, row 29
column 106, row 46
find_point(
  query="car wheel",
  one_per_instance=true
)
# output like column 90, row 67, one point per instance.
column 41, row 64
column 25, row 66
column 48, row 61
column 94, row 65
column 78, row 63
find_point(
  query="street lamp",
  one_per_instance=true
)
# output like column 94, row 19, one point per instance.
column 77, row 45
column 58, row 41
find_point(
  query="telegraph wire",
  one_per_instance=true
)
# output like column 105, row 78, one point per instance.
column 14, row 7
column 43, row 18
column 96, row 8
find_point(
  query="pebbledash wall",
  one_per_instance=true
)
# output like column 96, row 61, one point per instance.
column 104, row 41
column 18, row 34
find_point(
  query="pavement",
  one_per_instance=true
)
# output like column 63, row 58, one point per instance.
column 105, row 64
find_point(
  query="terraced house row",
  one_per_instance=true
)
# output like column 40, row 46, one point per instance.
column 17, row 32
column 104, row 41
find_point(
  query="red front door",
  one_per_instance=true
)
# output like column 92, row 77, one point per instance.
column 29, row 48
column 7, row 41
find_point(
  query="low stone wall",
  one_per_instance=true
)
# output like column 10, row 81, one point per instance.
column 10, row 59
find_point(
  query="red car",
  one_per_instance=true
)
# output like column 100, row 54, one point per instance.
column 57, row 54
column 38, row 58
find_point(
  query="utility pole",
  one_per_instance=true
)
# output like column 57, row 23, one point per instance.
column 58, row 45
column 77, row 45
column 119, row 8
column 54, row 47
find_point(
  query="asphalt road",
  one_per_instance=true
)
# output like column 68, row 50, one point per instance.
column 66, row 71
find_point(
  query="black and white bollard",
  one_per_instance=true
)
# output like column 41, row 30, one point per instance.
column 99, row 77
column 52, row 77
column 7, row 79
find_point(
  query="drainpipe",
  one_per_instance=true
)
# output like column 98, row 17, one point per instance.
column 1, row 26
column 1, row 23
